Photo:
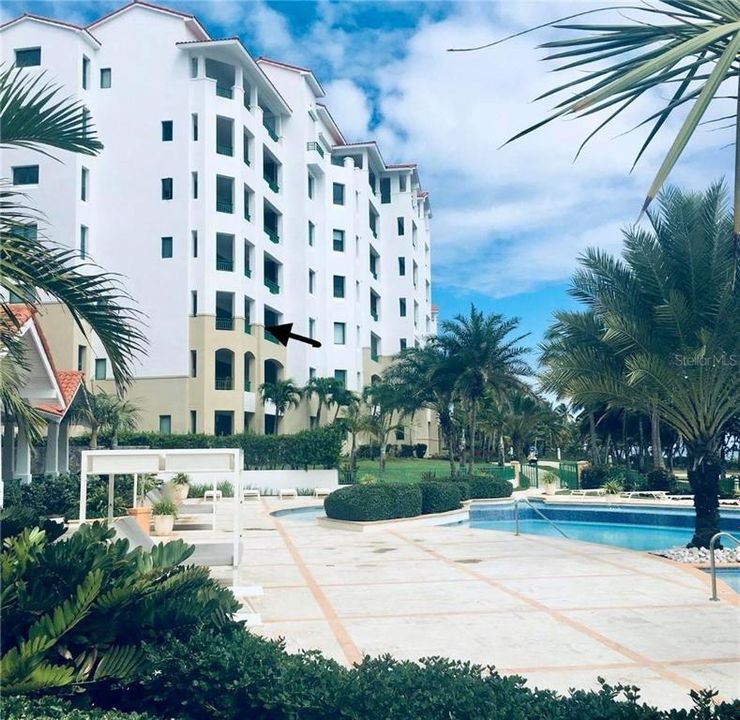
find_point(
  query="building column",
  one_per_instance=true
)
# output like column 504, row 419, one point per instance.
column 23, row 457
column 63, row 447
column 51, row 464
column 8, row 454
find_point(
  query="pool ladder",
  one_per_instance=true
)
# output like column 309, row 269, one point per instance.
column 712, row 565
column 540, row 513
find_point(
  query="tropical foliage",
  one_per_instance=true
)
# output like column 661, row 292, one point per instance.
column 283, row 394
column 103, row 412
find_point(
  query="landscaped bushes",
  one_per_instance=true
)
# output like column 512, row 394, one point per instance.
column 53, row 708
column 307, row 449
column 437, row 497
column 375, row 501
column 489, row 487
column 593, row 477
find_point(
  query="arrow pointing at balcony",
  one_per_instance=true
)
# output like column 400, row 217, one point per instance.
column 282, row 334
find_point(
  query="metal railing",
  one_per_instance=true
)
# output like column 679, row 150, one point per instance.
column 712, row 564
column 312, row 145
column 224, row 383
column 225, row 149
column 543, row 516
column 272, row 286
column 272, row 183
column 225, row 91
column 272, row 235
column 374, row 316
column 227, row 265
column 224, row 323
column 248, row 272
column 224, row 207
column 271, row 338
column 247, row 327
column 247, row 386
column 270, row 131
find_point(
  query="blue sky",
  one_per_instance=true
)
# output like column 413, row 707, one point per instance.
column 508, row 223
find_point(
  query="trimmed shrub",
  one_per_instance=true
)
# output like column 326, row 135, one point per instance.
column 660, row 479
column 368, row 452
column 376, row 501
column 593, row 477
column 628, row 478
column 437, row 497
column 406, row 451
column 52, row 708
column 420, row 450
column 482, row 486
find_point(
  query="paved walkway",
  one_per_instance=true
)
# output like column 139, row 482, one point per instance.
column 556, row 611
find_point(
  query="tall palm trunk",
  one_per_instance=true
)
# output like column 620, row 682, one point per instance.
column 318, row 411
column 471, row 455
column 655, row 439
column 94, row 430
column 704, row 473
column 592, row 438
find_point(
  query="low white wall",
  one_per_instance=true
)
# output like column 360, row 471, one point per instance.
column 277, row 479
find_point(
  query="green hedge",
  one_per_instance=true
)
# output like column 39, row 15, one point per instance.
column 489, row 487
column 437, row 497
column 51, row 708
column 307, row 449
column 375, row 501
column 234, row 675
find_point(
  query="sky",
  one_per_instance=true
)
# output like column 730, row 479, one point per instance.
column 508, row 222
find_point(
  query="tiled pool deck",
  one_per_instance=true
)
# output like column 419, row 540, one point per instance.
column 558, row 612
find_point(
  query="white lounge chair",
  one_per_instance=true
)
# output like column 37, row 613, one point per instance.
column 213, row 495
column 287, row 493
column 321, row 492
column 594, row 491
column 637, row 494
column 251, row 494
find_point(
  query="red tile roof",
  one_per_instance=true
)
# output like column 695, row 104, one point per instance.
column 18, row 315
column 69, row 382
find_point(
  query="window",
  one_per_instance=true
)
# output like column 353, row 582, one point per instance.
column 193, row 302
column 166, row 188
column 85, row 120
column 311, row 281
column 247, row 259
column 403, row 343
column 338, row 240
column 311, row 184
column 402, row 307
column 224, row 194
column 82, row 358
column 193, row 421
column 401, row 224
column 311, row 232
column 26, row 175
column 28, row 57
column 29, row 231
column 85, row 72
column 100, row 369
column 84, row 179
column 194, row 126
column 401, row 183
column 339, row 286
column 83, row 241
column 193, row 363
column 223, row 422
column 312, row 327
column 402, row 266
column 166, row 130
column 400, row 434
column 247, row 199
column 194, row 182
column 165, row 424
column 224, row 136
column 341, row 376
column 167, row 247
column 311, row 373
column 246, row 140
column 194, row 67
column 194, row 242
column 105, row 78
column 338, row 193
column 340, row 333
column 385, row 190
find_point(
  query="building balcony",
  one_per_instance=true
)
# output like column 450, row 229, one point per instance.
column 272, row 234
column 374, row 273
column 313, row 145
column 272, row 184
column 374, row 355
column 248, row 272
column 374, row 315
column 225, row 91
column 247, row 216
column 272, row 286
column 271, row 338
column 224, row 323
column 271, row 132
column 224, row 207
column 247, row 327
column 374, row 232
column 225, row 265
column 224, row 383
column 247, row 386
column 225, row 150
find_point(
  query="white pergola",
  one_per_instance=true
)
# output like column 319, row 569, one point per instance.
column 225, row 463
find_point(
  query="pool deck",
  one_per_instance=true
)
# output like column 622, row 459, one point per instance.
column 558, row 612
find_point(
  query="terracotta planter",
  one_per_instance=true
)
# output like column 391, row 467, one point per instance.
column 143, row 517
column 163, row 524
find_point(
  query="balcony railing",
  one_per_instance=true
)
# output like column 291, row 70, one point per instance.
column 272, row 286
column 225, row 91
column 247, row 327
column 374, row 273
column 224, row 383
column 272, row 183
column 248, row 272
column 374, row 355
column 225, row 149
column 247, row 386
column 247, row 216
column 271, row 338
column 272, row 234
column 374, row 315
column 374, row 232
column 313, row 145
column 224, row 323
column 271, row 131
column 227, row 265
column 224, row 207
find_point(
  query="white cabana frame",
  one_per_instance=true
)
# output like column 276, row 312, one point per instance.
column 219, row 462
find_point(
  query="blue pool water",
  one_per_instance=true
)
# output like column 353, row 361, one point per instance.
column 302, row 514
column 731, row 576
column 632, row 527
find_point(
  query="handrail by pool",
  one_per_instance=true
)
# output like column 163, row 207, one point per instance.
column 712, row 565
column 542, row 515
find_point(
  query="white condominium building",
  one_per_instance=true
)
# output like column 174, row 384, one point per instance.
column 228, row 199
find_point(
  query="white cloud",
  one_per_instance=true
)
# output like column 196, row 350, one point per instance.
column 350, row 107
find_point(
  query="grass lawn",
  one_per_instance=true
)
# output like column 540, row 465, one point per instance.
column 404, row 469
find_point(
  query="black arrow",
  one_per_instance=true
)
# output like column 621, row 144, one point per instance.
column 282, row 334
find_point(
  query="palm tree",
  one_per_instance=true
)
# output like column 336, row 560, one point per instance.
column 524, row 416
column 483, row 358
column 101, row 411
column 283, row 394
column 689, row 48
column 325, row 388
column 669, row 311
column 354, row 422
column 124, row 416
column 384, row 400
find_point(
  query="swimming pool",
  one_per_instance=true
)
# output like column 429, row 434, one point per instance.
column 731, row 576
column 632, row 527
column 301, row 514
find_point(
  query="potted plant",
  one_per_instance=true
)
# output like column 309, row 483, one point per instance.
column 180, row 485
column 550, row 483
column 164, row 513
column 140, row 511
